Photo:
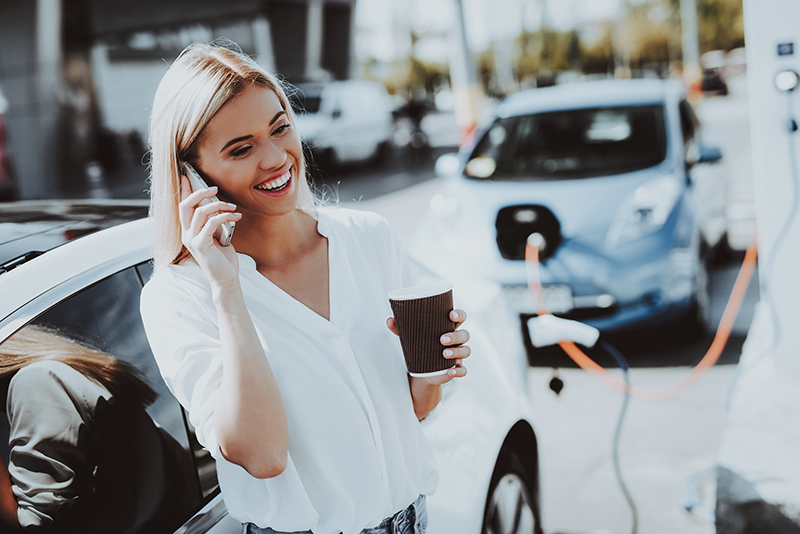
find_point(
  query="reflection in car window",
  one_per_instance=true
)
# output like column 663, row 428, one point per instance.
column 106, row 316
column 84, row 456
column 162, row 461
column 571, row 144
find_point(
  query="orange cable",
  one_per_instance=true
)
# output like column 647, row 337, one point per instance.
column 708, row 361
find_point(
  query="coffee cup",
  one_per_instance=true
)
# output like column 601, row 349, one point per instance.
column 422, row 317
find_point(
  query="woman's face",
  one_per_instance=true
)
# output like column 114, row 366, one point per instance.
column 252, row 153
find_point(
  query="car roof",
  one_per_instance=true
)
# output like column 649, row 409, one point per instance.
column 583, row 95
column 41, row 225
column 117, row 247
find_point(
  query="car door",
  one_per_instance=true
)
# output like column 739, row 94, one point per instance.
column 105, row 316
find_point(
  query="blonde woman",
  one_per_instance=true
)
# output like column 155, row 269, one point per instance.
column 84, row 457
column 278, row 345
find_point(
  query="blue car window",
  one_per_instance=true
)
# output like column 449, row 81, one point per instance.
column 571, row 144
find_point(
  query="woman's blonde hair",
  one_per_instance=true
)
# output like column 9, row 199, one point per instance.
column 38, row 343
column 196, row 86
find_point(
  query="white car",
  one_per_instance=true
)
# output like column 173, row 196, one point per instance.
column 344, row 122
column 482, row 432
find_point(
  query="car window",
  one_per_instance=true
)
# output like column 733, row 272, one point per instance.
column 571, row 144
column 134, row 470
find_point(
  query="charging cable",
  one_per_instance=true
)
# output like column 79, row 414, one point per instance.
column 546, row 329
column 706, row 363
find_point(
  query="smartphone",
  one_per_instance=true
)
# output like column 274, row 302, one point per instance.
column 224, row 231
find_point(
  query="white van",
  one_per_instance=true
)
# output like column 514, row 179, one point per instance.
column 344, row 121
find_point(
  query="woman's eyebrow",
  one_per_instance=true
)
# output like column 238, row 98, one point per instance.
column 277, row 116
column 234, row 141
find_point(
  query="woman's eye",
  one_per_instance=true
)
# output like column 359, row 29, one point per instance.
column 239, row 152
column 282, row 128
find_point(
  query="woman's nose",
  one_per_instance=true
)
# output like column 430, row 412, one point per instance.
column 273, row 156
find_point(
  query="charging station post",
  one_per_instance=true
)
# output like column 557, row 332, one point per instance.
column 772, row 30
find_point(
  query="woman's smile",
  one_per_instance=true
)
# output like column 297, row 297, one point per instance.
column 277, row 185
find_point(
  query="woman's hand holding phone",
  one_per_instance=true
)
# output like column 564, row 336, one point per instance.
column 198, row 224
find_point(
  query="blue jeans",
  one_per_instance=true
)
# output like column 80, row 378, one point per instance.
column 412, row 520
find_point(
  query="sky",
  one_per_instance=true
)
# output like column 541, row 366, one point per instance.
column 383, row 24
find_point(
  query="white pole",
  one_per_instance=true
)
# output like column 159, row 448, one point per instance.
column 463, row 76
column 690, row 43
column 772, row 30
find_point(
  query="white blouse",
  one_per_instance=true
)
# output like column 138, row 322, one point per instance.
column 357, row 453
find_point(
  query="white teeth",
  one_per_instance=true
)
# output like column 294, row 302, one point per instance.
column 277, row 184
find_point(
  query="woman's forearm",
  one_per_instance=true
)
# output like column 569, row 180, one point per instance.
column 424, row 395
column 249, row 419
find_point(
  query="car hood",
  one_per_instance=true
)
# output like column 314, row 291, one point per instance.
column 584, row 207
column 458, row 231
column 38, row 226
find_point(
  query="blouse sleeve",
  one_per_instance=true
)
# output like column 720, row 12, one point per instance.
column 48, row 457
column 181, row 325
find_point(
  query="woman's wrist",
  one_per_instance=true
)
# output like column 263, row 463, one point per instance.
column 424, row 395
column 225, row 293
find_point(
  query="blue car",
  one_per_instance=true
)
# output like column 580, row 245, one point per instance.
column 614, row 177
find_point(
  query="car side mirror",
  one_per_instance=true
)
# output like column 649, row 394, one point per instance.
column 446, row 165
column 709, row 154
column 336, row 113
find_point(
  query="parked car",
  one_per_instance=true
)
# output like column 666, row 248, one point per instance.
column 615, row 178
column 482, row 432
column 344, row 122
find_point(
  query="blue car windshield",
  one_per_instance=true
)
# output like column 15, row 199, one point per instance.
column 569, row 144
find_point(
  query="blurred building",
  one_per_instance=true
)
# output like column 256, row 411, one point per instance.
column 80, row 75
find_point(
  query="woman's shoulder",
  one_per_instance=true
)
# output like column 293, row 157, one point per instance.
column 47, row 378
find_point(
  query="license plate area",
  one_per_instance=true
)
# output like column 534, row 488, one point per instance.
column 557, row 298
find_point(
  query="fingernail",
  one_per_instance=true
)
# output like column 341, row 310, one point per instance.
column 455, row 315
column 448, row 353
column 232, row 205
column 445, row 339
column 213, row 188
column 451, row 372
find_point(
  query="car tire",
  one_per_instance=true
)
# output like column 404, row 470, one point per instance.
column 510, row 505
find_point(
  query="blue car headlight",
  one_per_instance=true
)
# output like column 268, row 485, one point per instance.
column 645, row 211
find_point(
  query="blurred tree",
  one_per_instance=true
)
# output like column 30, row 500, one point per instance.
column 721, row 24
column 599, row 57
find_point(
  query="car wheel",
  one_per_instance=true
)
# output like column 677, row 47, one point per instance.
column 510, row 507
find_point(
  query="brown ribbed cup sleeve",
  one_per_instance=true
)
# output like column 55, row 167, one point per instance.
column 421, row 323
